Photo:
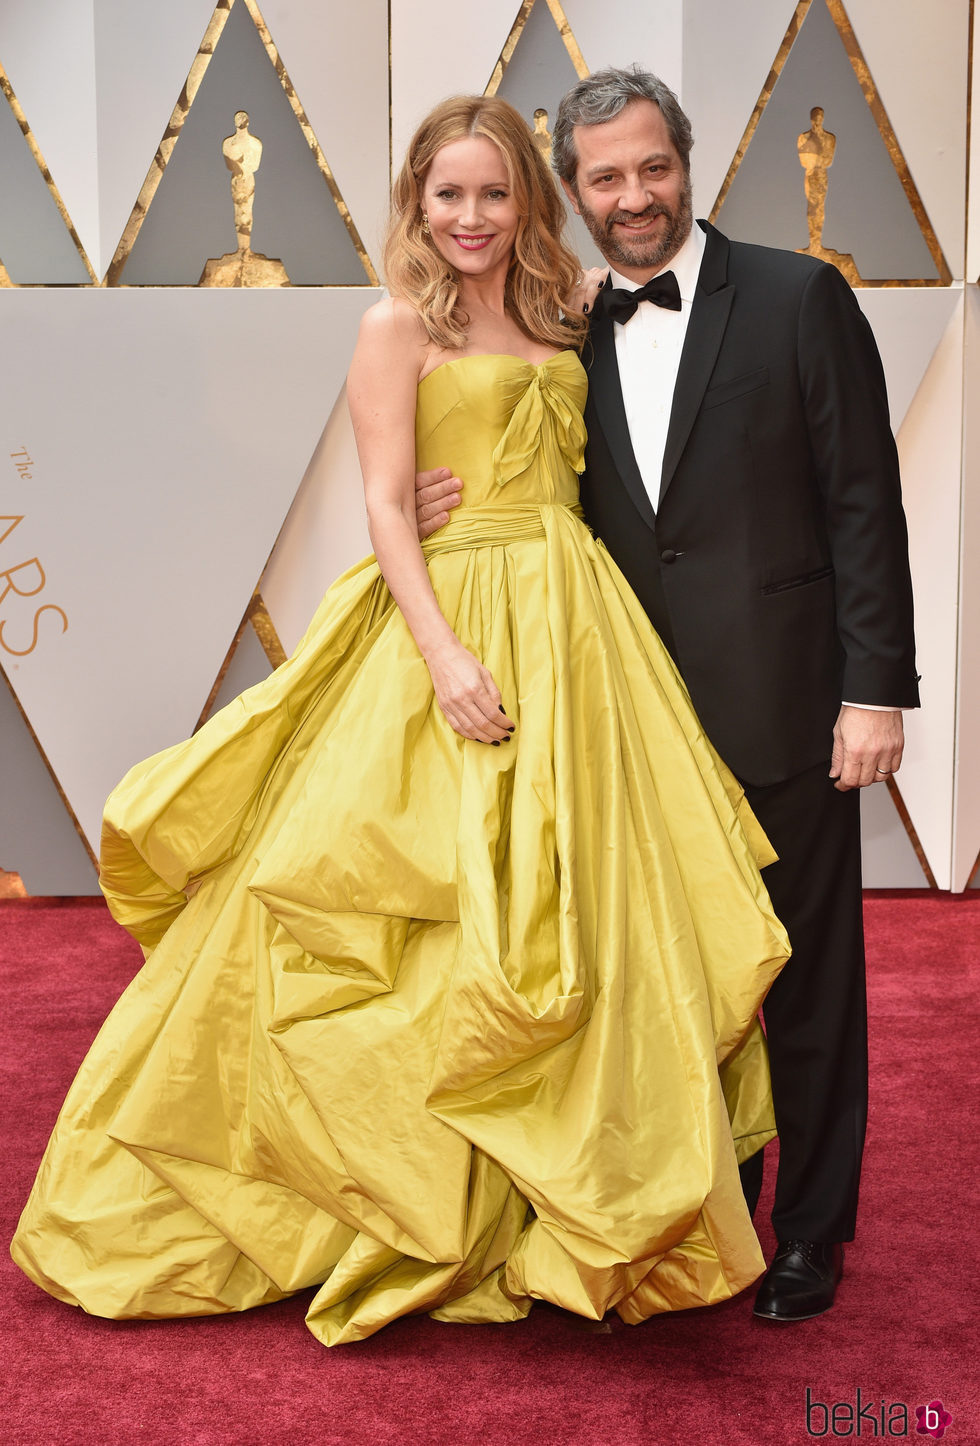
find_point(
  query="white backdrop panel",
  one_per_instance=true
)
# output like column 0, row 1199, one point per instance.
column 973, row 231
column 966, row 835
column 930, row 449
column 619, row 32
column 908, row 323
column 169, row 431
column 154, row 505
column 38, row 839
column 888, row 859
column 324, row 534
column 917, row 55
column 47, row 48
column 438, row 51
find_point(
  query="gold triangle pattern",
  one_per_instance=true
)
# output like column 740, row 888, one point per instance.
column 517, row 30
column 47, row 763
column 42, row 166
column 866, row 81
column 909, row 827
column 256, row 614
column 172, row 134
column 265, row 631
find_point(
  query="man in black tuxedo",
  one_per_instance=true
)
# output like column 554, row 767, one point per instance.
column 742, row 472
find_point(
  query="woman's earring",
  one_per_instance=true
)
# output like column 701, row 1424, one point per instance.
column 425, row 224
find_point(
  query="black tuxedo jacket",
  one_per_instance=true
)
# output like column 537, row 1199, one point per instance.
column 776, row 566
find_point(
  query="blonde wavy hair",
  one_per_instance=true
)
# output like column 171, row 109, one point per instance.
column 543, row 271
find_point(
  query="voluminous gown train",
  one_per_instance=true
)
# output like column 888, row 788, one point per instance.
column 430, row 1025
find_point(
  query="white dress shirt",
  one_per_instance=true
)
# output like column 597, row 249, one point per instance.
column 648, row 353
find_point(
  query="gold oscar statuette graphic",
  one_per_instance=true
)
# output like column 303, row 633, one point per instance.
column 4, row 278
column 11, row 885
column 816, row 148
column 542, row 136
column 243, row 155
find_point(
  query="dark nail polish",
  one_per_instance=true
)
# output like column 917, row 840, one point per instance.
column 496, row 742
column 585, row 308
column 501, row 708
column 506, row 740
column 511, row 728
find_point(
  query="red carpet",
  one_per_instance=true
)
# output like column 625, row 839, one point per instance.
column 904, row 1331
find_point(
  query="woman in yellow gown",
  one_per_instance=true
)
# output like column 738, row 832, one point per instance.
column 454, row 926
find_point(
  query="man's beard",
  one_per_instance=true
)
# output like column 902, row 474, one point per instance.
column 647, row 253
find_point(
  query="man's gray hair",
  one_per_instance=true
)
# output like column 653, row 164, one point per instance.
column 600, row 97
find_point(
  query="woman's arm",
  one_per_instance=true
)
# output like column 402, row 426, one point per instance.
column 381, row 394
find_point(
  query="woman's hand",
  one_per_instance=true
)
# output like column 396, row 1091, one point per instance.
column 587, row 289
column 467, row 694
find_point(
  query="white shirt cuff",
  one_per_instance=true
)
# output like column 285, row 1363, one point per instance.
column 873, row 707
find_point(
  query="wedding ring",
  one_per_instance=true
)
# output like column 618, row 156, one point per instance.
column 886, row 771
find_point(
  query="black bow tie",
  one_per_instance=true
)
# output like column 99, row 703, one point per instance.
column 662, row 291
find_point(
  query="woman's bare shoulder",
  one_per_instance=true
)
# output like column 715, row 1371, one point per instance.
column 390, row 354
column 392, row 320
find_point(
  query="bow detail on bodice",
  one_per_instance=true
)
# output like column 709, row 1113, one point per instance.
column 545, row 407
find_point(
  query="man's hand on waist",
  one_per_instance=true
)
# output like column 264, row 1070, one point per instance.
column 436, row 492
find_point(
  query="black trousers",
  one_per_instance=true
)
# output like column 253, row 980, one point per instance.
column 816, row 1012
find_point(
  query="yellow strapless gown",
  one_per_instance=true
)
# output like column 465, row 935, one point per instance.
column 439, row 1027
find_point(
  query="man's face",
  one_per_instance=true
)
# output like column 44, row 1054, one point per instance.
column 631, row 190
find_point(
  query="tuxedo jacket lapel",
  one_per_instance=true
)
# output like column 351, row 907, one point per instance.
column 705, row 331
column 606, row 395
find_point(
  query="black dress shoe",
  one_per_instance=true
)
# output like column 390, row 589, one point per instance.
column 801, row 1281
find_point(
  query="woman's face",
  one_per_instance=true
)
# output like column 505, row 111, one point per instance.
column 468, row 200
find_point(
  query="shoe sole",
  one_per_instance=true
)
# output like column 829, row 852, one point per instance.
column 791, row 1319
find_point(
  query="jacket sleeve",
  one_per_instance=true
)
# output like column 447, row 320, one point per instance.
column 856, row 465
